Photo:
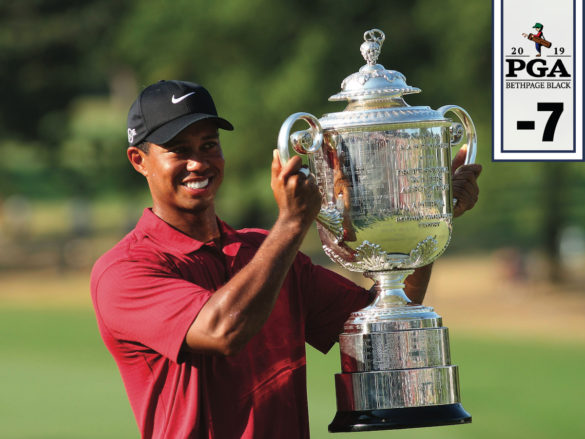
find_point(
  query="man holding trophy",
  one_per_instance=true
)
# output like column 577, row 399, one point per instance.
column 208, row 324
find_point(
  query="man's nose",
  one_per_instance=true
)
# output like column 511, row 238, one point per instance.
column 197, row 163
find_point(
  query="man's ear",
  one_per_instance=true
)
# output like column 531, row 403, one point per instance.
column 137, row 158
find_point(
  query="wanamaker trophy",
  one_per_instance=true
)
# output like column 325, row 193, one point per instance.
column 384, row 172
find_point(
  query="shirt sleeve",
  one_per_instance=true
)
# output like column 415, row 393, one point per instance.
column 329, row 300
column 146, row 302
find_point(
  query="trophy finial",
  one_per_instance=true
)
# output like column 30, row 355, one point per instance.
column 373, row 81
column 372, row 45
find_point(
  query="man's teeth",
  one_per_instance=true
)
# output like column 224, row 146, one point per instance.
column 200, row 184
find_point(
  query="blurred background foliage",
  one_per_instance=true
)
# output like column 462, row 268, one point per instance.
column 71, row 68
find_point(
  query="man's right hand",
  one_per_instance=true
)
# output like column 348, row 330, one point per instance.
column 297, row 195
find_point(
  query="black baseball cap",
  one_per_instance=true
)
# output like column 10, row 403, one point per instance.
column 164, row 109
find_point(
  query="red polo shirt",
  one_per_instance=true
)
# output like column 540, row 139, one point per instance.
column 148, row 290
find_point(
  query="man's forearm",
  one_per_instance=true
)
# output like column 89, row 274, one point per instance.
column 239, row 309
column 417, row 283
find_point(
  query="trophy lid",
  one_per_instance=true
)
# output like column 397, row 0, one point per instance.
column 373, row 81
column 375, row 94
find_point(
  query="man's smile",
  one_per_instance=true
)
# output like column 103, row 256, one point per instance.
column 197, row 184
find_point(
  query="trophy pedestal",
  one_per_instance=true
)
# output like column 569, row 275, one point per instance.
column 398, row 399
column 393, row 419
column 396, row 366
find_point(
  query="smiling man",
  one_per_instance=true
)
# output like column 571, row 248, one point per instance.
column 208, row 324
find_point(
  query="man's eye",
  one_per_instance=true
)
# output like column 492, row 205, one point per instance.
column 210, row 146
column 180, row 150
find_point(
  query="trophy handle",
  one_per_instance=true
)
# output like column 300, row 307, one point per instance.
column 304, row 142
column 457, row 130
column 309, row 142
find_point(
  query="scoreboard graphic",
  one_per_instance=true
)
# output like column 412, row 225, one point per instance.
column 538, row 80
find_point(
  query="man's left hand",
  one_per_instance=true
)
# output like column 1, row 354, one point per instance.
column 465, row 188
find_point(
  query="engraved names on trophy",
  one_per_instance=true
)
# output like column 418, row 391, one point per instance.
column 389, row 183
column 429, row 182
column 423, row 186
column 389, row 187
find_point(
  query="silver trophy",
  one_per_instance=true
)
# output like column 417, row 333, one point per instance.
column 384, row 172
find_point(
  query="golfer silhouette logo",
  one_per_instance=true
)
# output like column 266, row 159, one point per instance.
column 538, row 38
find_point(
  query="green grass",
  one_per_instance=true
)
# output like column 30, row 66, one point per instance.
column 58, row 381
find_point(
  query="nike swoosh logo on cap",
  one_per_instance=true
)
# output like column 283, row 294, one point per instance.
column 177, row 100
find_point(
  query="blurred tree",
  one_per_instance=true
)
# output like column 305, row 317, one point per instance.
column 71, row 68
column 264, row 60
column 50, row 52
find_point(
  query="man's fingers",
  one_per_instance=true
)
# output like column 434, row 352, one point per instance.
column 305, row 172
column 468, row 190
column 276, row 164
column 280, row 169
column 459, row 159
column 291, row 167
column 286, row 174
column 467, row 171
column 463, row 205
column 465, row 188
column 466, row 179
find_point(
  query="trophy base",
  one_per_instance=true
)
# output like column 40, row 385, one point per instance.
column 393, row 419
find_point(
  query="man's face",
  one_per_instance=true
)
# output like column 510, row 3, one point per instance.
column 185, row 173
